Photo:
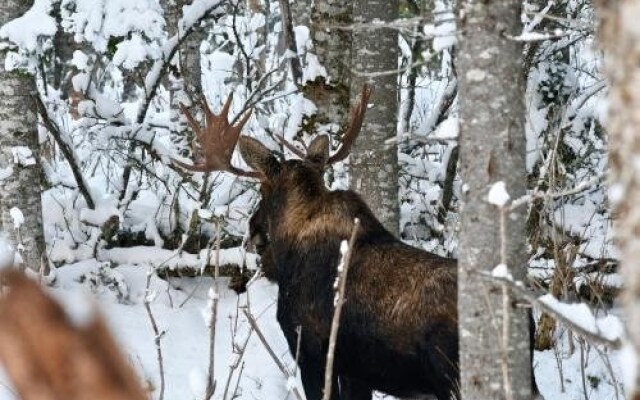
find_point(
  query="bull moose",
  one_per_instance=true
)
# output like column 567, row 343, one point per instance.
column 398, row 330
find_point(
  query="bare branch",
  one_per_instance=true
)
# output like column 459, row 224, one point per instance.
column 156, row 332
column 339, row 302
column 263, row 340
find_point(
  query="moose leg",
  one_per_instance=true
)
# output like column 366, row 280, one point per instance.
column 312, row 373
column 353, row 389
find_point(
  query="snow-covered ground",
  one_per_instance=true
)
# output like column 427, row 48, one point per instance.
column 181, row 307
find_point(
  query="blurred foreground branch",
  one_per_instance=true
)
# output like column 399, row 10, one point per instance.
column 48, row 356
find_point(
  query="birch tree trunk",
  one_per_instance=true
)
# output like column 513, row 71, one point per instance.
column 494, row 335
column 20, row 172
column 620, row 38
column 374, row 158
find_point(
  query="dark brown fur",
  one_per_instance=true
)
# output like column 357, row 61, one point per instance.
column 398, row 330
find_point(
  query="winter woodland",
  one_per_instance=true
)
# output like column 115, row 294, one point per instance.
column 501, row 133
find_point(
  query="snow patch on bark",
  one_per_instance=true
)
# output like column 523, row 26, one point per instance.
column 498, row 194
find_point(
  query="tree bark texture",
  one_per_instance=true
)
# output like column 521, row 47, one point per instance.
column 301, row 12
column 374, row 159
column 620, row 39
column 333, row 49
column 185, row 80
column 492, row 149
column 20, row 177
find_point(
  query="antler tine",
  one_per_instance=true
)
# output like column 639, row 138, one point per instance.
column 290, row 146
column 355, row 125
column 244, row 120
column 224, row 113
column 216, row 141
column 191, row 121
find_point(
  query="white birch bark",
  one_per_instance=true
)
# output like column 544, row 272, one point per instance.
column 620, row 39
column 20, row 174
column 492, row 149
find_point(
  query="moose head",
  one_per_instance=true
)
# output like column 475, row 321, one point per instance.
column 282, row 181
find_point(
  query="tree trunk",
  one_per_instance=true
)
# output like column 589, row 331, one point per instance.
column 333, row 49
column 21, row 189
column 374, row 159
column 300, row 12
column 492, row 149
column 619, row 36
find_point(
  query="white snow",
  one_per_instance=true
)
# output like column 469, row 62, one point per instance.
column 501, row 271
column 27, row 32
column 80, row 60
column 17, row 217
column 186, row 340
column 6, row 173
column 581, row 315
column 498, row 194
column 23, row 156
column 7, row 252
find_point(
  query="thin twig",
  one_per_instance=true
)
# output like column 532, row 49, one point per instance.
column 263, row 340
column 237, row 362
column 583, row 376
column 506, row 305
column 537, row 194
column 339, row 301
column 214, row 296
column 148, row 297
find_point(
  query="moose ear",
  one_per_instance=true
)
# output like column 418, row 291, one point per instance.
column 318, row 150
column 258, row 156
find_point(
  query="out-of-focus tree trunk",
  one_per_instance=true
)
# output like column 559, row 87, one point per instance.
column 20, row 174
column 620, row 39
column 374, row 159
column 494, row 333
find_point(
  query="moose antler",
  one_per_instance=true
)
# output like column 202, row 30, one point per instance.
column 355, row 125
column 350, row 134
column 215, row 141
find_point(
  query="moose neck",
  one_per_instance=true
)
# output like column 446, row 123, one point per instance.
column 312, row 214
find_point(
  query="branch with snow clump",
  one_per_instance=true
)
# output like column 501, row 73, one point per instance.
column 192, row 15
column 588, row 328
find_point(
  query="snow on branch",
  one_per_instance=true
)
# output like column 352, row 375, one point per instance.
column 193, row 14
column 27, row 32
column 66, row 146
column 577, row 316
column 539, row 194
